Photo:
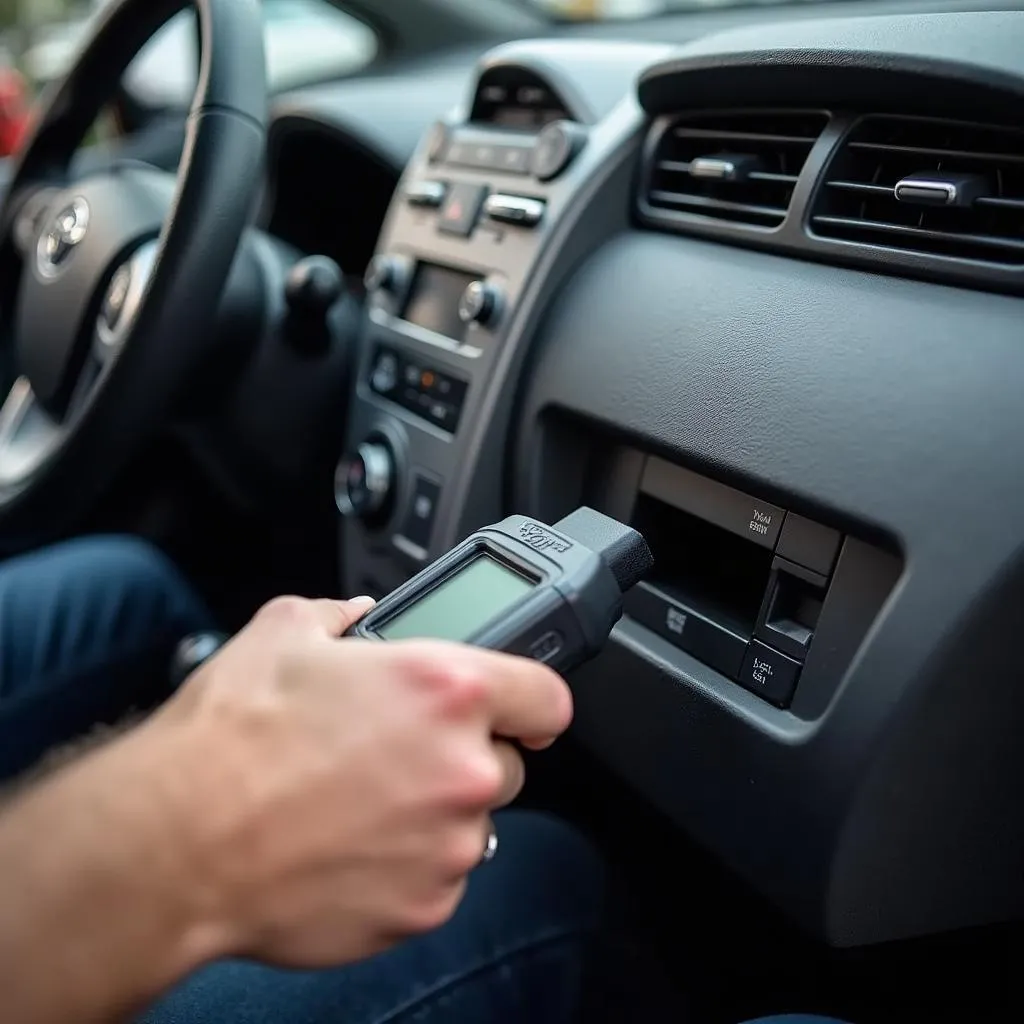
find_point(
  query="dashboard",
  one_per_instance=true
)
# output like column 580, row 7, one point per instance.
column 760, row 294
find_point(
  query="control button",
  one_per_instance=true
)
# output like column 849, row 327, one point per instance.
column 423, row 390
column 479, row 303
column 556, row 147
column 458, row 153
column 114, row 301
column 364, row 480
column 547, row 647
column 443, row 414
column 514, row 209
column 419, row 522
column 486, row 156
column 789, row 618
column 513, row 159
column 384, row 274
column 437, row 142
column 461, row 209
column 425, row 193
column 679, row 624
column 809, row 544
column 384, row 376
column 769, row 674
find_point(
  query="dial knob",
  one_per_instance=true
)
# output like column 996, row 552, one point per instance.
column 480, row 303
column 364, row 481
column 385, row 273
column 556, row 148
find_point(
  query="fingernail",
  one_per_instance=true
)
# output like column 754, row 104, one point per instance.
column 362, row 600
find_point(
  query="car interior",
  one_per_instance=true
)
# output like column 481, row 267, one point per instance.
column 749, row 278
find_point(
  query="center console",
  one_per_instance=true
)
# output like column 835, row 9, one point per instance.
column 484, row 224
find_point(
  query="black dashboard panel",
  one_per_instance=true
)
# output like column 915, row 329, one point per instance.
column 860, row 401
column 882, row 795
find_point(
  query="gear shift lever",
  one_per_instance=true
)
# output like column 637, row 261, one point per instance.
column 192, row 653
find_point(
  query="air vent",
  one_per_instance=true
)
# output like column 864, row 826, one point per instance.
column 943, row 188
column 737, row 166
column 509, row 96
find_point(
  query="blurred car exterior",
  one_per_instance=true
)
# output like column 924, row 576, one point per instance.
column 592, row 10
column 306, row 40
column 15, row 105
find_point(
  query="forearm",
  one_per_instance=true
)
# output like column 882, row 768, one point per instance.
column 99, row 905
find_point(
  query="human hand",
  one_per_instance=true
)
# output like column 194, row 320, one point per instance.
column 335, row 794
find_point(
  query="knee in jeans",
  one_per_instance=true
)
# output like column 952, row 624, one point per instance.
column 138, row 571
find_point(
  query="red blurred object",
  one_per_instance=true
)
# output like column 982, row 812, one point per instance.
column 15, row 114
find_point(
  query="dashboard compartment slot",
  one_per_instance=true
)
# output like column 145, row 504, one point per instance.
column 710, row 570
column 720, row 589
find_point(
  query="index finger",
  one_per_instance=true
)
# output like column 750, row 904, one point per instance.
column 528, row 701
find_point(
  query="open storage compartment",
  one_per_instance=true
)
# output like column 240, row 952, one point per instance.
column 711, row 570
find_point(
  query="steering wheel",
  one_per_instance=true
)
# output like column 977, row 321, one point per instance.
column 109, row 284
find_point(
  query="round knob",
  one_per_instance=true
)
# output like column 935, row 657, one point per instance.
column 480, row 303
column 556, row 147
column 385, row 273
column 364, row 480
column 313, row 286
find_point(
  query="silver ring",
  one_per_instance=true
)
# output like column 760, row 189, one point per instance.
column 491, row 849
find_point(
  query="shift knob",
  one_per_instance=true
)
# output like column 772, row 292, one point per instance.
column 192, row 653
column 313, row 287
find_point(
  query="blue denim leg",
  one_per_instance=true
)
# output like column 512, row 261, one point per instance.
column 87, row 629
column 796, row 1018
column 512, row 953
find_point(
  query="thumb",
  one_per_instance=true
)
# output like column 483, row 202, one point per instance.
column 340, row 616
column 332, row 618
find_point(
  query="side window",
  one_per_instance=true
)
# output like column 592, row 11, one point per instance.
column 306, row 41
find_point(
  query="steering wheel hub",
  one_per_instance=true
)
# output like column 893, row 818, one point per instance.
column 96, row 226
column 59, row 241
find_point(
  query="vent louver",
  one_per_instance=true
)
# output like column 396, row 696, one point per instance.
column 737, row 166
column 922, row 185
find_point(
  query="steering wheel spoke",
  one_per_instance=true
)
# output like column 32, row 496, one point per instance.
column 28, row 436
column 86, row 385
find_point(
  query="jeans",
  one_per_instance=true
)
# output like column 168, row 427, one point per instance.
column 87, row 630
column 512, row 953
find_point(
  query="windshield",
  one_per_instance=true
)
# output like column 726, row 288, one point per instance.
column 592, row 10
column 601, row 10
column 306, row 40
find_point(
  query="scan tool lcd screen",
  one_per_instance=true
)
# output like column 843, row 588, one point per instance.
column 460, row 606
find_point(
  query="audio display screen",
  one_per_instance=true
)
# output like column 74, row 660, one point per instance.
column 434, row 299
